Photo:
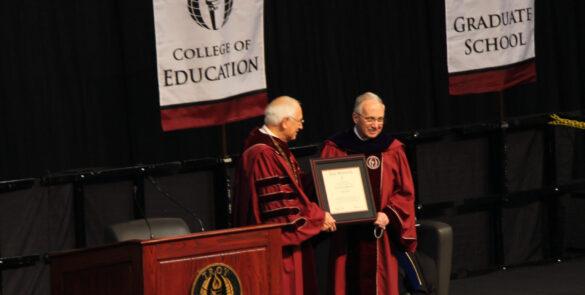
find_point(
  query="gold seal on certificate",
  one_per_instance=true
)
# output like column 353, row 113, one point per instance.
column 343, row 188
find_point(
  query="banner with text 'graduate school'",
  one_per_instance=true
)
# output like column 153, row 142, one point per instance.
column 210, row 59
column 490, row 44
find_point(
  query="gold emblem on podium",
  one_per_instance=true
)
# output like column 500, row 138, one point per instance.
column 216, row 279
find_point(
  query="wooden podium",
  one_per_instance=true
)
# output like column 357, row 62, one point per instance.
column 246, row 260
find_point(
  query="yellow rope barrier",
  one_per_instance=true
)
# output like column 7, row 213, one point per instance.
column 556, row 120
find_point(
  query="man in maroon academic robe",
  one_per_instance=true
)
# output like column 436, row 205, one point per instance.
column 269, row 190
column 364, row 263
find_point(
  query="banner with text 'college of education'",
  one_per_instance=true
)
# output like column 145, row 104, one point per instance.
column 210, row 60
column 490, row 44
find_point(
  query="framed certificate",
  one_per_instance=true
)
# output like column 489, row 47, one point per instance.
column 343, row 188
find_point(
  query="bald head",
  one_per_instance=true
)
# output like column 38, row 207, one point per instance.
column 280, row 108
column 284, row 117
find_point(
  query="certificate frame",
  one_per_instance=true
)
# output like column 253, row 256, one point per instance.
column 357, row 165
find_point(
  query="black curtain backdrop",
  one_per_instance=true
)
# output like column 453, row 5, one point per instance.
column 78, row 78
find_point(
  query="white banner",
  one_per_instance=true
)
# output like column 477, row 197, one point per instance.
column 208, row 50
column 488, row 33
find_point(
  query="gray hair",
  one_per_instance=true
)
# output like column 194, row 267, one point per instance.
column 279, row 109
column 357, row 107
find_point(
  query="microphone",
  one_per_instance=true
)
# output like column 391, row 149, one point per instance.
column 177, row 203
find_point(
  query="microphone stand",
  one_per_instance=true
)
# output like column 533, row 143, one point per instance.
column 139, row 204
column 176, row 202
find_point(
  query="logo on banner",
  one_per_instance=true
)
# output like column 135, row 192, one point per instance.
column 216, row 278
column 210, row 14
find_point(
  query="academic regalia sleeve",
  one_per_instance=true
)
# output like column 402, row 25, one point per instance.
column 400, row 206
column 277, row 198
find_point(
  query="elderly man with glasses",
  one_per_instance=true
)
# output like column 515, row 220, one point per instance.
column 363, row 256
column 269, row 189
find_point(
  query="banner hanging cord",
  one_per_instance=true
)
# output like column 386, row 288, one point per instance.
column 556, row 120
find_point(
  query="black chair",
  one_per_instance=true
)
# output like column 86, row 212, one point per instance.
column 140, row 229
column 435, row 240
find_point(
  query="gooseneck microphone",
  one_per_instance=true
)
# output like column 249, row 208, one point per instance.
column 176, row 202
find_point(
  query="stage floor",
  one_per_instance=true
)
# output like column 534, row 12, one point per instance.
column 564, row 278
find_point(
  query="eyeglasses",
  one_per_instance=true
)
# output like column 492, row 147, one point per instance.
column 372, row 119
column 302, row 121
